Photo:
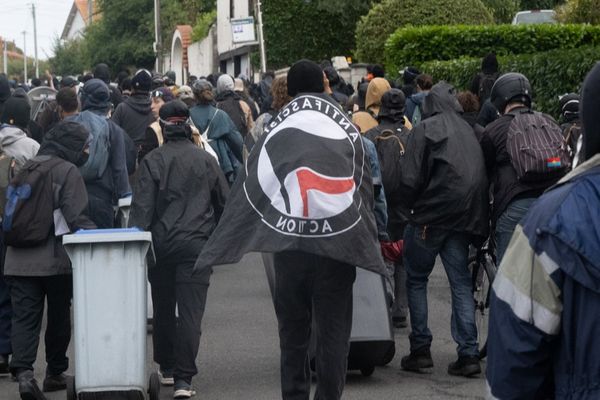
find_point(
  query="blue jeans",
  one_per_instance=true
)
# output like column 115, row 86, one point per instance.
column 506, row 224
column 421, row 247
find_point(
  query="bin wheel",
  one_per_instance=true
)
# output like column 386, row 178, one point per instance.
column 71, row 393
column 367, row 371
column 154, row 387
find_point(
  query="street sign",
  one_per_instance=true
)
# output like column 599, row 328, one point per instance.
column 243, row 30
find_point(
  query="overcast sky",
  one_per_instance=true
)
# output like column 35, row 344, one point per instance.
column 15, row 17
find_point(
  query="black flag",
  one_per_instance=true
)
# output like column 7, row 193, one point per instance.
column 307, row 187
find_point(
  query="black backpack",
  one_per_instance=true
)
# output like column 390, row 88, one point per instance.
column 486, row 82
column 536, row 147
column 29, row 211
column 232, row 107
column 391, row 147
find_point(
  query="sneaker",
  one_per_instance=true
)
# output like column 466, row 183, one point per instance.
column 399, row 322
column 183, row 390
column 4, row 364
column 53, row 383
column 166, row 377
column 417, row 361
column 465, row 366
column 28, row 387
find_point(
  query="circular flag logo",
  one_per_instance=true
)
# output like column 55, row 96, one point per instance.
column 304, row 175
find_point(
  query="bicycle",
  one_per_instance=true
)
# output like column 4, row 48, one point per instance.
column 483, row 271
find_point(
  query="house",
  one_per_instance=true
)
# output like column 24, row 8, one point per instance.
column 226, row 48
column 78, row 19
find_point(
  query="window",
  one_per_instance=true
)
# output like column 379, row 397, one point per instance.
column 231, row 9
column 237, row 65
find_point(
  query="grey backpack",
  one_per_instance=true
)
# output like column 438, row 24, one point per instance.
column 537, row 148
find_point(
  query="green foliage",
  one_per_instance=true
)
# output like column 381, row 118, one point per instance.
column 503, row 10
column 416, row 45
column 551, row 73
column 386, row 17
column 123, row 36
column 580, row 11
column 69, row 58
column 540, row 4
column 296, row 29
column 203, row 24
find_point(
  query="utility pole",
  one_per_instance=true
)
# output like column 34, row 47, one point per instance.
column 90, row 11
column 157, row 38
column 25, row 57
column 35, row 48
column 5, row 55
column 261, row 38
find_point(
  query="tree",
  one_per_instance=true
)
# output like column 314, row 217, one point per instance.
column 580, row 11
column 384, row 18
column 314, row 29
column 540, row 4
column 69, row 58
column 503, row 11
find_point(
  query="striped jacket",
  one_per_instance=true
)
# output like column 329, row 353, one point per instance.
column 544, row 329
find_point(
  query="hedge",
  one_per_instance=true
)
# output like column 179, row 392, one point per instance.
column 416, row 45
column 387, row 16
column 551, row 73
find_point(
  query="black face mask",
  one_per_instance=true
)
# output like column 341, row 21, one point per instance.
column 82, row 159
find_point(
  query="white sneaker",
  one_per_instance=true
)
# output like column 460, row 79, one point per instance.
column 166, row 378
column 184, row 393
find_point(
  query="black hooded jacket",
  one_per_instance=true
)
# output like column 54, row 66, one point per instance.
column 4, row 92
column 134, row 115
column 179, row 196
column 501, row 172
column 444, row 182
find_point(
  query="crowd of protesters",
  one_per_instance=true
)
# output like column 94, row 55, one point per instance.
column 457, row 177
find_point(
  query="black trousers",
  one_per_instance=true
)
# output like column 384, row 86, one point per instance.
column 28, row 295
column 310, row 287
column 5, row 317
column 176, row 340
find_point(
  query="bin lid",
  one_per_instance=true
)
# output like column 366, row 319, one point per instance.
column 108, row 236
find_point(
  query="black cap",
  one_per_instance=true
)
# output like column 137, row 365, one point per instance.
column 16, row 112
column 305, row 76
column 142, row 81
column 69, row 81
column 173, row 120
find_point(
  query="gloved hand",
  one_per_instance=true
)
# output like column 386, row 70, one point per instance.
column 392, row 251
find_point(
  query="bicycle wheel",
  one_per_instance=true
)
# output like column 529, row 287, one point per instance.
column 481, row 290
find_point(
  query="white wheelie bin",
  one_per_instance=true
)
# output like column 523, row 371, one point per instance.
column 109, row 307
column 123, row 220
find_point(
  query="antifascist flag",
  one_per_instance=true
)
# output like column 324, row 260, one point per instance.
column 306, row 187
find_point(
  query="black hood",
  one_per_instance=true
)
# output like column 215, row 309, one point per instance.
column 140, row 103
column 590, row 109
column 489, row 64
column 4, row 89
column 441, row 99
column 67, row 141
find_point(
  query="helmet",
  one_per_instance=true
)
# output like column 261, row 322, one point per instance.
column 511, row 87
column 392, row 103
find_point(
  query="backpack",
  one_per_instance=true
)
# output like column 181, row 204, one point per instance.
column 486, row 82
column 416, row 118
column 571, row 133
column 391, row 147
column 233, row 108
column 536, row 147
column 29, row 212
column 7, row 165
column 99, row 146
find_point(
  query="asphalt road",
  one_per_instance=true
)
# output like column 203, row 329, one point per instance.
column 239, row 354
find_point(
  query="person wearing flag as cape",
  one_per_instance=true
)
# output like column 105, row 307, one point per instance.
column 306, row 195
